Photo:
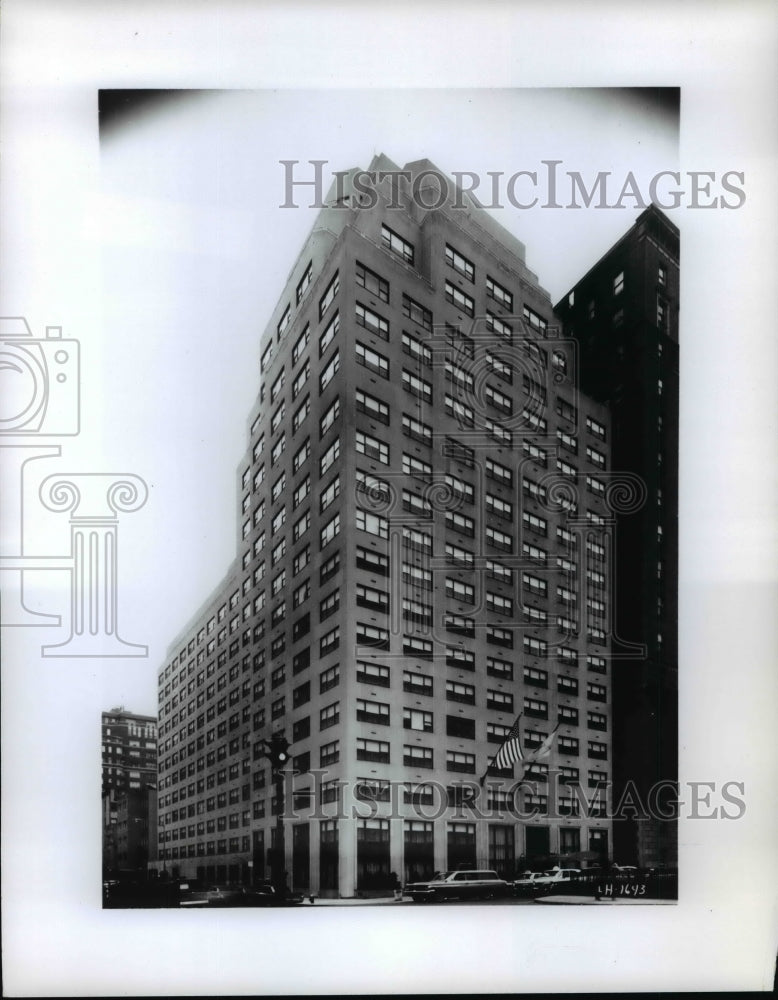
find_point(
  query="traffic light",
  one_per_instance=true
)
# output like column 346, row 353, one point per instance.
column 277, row 751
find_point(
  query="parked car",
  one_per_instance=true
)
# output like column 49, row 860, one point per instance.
column 473, row 884
column 526, row 883
column 555, row 876
column 261, row 895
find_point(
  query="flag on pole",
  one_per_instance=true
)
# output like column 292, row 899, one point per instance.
column 509, row 752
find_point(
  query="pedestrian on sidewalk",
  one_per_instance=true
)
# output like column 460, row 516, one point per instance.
column 395, row 884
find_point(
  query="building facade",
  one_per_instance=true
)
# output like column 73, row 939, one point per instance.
column 624, row 316
column 129, row 764
column 424, row 525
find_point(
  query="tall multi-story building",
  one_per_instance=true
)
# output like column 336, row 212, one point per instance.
column 624, row 315
column 129, row 755
column 424, row 523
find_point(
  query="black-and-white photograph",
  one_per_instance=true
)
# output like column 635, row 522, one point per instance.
column 365, row 530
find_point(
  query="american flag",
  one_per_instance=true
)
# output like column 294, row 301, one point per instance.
column 510, row 750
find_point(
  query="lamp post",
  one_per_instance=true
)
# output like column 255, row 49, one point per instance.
column 277, row 752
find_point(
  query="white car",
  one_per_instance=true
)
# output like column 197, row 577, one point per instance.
column 526, row 882
column 556, row 875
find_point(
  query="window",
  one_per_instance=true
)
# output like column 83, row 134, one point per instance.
column 277, row 386
column 372, row 322
column 300, row 344
column 463, row 659
column 375, row 750
column 374, row 562
column 417, row 430
column 374, row 408
column 300, row 379
column 463, row 762
column 329, row 678
column 414, row 683
column 301, row 594
column 329, row 372
column 539, row 455
column 499, row 700
column 464, row 693
column 460, row 522
column 535, row 647
column 278, row 449
column 498, row 472
column 535, row 708
column 567, row 716
column 500, row 508
column 459, row 299
column 596, row 692
column 304, row 283
column 459, row 452
column 415, row 504
column 330, row 641
column 498, row 604
column 498, row 293
column 416, row 312
column 460, row 591
column 559, row 361
column 373, row 673
column 369, row 597
column 301, row 560
column 417, row 386
column 566, row 409
column 329, row 457
column 462, row 413
column 329, row 334
column 498, row 432
column 596, row 720
column 300, row 414
column 535, row 678
column 499, row 326
column 416, row 349
column 275, row 420
column 415, row 756
column 501, row 368
column 495, row 667
column 329, row 753
column 595, row 428
column 375, row 712
column 372, row 282
column 618, row 283
column 329, row 605
column 329, row 531
column 598, row 750
column 301, row 694
column 499, row 539
column 329, row 296
column 418, row 540
column 329, row 495
column 535, row 320
column 283, row 323
column 329, row 716
column 459, row 263
column 373, row 524
column 415, row 611
column 420, row 648
column 394, row 242
column 567, row 441
column 416, row 467
column 499, row 400
column 372, row 360
column 329, row 417
column 458, row 556
column 371, row 635
column 301, row 455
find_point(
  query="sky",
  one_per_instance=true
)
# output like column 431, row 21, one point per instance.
column 195, row 250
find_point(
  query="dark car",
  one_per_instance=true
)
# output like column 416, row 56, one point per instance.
column 472, row 884
column 260, row 895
